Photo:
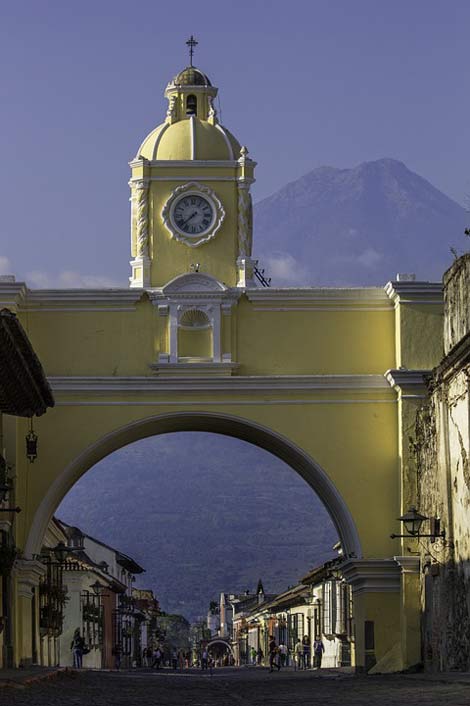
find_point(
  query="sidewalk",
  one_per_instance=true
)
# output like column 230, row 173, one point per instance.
column 22, row 678
column 441, row 677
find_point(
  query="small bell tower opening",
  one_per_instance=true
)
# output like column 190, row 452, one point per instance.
column 191, row 105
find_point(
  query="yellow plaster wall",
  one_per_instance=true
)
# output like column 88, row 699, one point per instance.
column 384, row 610
column 172, row 258
column 262, row 342
column 195, row 343
column 314, row 342
column 419, row 335
column 95, row 343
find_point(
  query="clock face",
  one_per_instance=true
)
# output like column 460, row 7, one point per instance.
column 192, row 214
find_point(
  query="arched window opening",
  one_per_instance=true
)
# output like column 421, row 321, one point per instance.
column 195, row 335
column 191, row 105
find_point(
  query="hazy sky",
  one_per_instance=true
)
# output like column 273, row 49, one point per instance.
column 302, row 83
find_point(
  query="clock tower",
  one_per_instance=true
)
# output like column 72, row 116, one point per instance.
column 191, row 206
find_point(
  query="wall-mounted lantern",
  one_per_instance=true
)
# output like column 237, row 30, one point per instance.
column 31, row 443
column 97, row 588
column 413, row 521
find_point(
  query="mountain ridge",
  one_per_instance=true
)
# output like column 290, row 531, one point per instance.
column 357, row 226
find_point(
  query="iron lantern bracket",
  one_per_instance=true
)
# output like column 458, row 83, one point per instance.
column 441, row 535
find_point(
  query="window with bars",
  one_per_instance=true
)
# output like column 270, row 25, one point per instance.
column 52, row 598
column 336, row 608
column 329, row 596
column 295, row 626
column 123, row 629
column 92, row 619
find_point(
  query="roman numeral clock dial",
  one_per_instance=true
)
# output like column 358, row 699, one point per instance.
column 193, row 214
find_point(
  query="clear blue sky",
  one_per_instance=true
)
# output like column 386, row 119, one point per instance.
column 302, row 83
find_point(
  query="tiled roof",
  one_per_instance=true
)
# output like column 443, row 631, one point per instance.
column 24, row 390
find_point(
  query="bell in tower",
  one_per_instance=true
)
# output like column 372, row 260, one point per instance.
column 190, row 192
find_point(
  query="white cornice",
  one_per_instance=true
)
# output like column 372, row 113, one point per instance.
column 191, row 164
column 12, row 295
column 194, row 177
column 372, row 575
column 50, row 300
column 415, row 292
column 365, row 295
column 194, row 370
column 316, row 293
column 409, row 564
column 242, row 383
column 409, row 383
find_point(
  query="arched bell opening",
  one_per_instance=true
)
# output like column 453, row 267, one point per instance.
column 191, row 104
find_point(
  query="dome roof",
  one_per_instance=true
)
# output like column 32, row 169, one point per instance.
column 188, row 140
column 191, row 76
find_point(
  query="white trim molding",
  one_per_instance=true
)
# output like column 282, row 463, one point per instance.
column 324, row 297
column 28, row 573
column 408, row 383
column 415, row 292
column 188, row 369
column 190, row 164
column 198, row 291
column 238, row 383
column 372, row 575
column 409, row 564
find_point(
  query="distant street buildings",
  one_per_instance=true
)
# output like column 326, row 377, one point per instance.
column 90, row 589
column 316, row 610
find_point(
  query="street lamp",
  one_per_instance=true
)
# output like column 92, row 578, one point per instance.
column 413, row 521
column 97, row 587
column 31, row 443
column 60, row 552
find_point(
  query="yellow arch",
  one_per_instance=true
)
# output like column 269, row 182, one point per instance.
column 228, row 425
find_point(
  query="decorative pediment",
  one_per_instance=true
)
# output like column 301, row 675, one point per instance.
column 193, row 282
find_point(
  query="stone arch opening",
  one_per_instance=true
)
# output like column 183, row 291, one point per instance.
column 223, row 643
column 227, row 425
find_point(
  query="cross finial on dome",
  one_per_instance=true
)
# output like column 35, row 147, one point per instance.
column 191, row 43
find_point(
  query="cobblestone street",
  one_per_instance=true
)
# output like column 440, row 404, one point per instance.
column 227, row 687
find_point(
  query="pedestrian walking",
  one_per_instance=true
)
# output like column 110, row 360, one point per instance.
column 306, row 655
column 78, row 649
column 283, row 654
column 274, row 656
column 157, row 658
column 204, row 659
column 117, row 652
column 318, row 650
column 259, row 657
column 298, row 654
column 253, row 655
column 174, row 658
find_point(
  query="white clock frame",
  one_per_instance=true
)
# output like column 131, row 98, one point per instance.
column 193, row 187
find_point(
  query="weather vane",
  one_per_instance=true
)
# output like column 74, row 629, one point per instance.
column 191, row 43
